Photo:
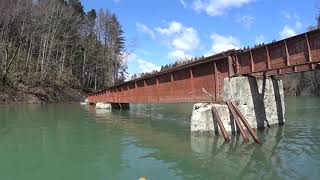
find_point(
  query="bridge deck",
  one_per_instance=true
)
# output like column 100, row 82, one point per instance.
column 185, row 83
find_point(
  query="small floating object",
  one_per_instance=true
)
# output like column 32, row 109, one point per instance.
column 142, row 178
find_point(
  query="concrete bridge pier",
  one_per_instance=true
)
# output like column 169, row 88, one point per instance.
column 121, row 106
column 103, row 105
column 260, row 100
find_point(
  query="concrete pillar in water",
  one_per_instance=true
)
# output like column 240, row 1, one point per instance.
column 102, row 105
column 122, row 106
column 260, row 100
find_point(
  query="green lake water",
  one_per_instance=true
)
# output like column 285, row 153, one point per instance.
column 73, row 142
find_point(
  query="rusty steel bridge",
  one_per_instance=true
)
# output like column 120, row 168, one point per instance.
column 185, row 83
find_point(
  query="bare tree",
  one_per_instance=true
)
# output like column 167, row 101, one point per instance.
column 46, row 42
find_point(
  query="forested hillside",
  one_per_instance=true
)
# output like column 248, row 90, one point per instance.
column 56, row 44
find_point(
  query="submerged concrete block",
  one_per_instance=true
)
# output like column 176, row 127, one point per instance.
column 86, row 102
column 102, row 105
column 261, row 101
column 121, row 106
column 201, row 119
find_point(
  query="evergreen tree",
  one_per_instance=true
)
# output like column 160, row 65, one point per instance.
column 116, row 45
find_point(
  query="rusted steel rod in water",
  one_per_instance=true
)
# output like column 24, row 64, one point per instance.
column 216, row 116
column 246, row 124
column 242, row 131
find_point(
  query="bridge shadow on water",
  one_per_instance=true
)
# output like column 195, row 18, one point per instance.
column 160, row 129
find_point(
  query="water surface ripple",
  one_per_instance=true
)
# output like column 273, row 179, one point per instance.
column 73, row 142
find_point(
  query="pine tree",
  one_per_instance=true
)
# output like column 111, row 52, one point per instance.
column 77, row 7
column 116, row 45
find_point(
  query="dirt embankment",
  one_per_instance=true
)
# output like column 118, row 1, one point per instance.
column 41, row 94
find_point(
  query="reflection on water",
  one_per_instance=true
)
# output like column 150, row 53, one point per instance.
column 73, row 142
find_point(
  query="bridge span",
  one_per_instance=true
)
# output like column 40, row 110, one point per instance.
column 185, row 83
column 232, row 77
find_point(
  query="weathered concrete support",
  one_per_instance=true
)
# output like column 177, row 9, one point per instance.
column 122, row 106
column 102, row 105
column 86, row 102
column 202, row 119
column 260, row 100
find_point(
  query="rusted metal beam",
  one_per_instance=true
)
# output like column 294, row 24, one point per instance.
column 310, row 58
column 287, row 53
column 216, row 79
column 293, row 67
column 246, row 124
column 251, row 62
column 268, row 58
column 237, row 64
column 308, row 48
column 172, row 83
column 192, row 83
column 238, row 122
column 231, row 70
column 157, row 87
column 215, row 116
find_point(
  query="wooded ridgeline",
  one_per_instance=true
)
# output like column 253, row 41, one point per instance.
column 53, row 42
